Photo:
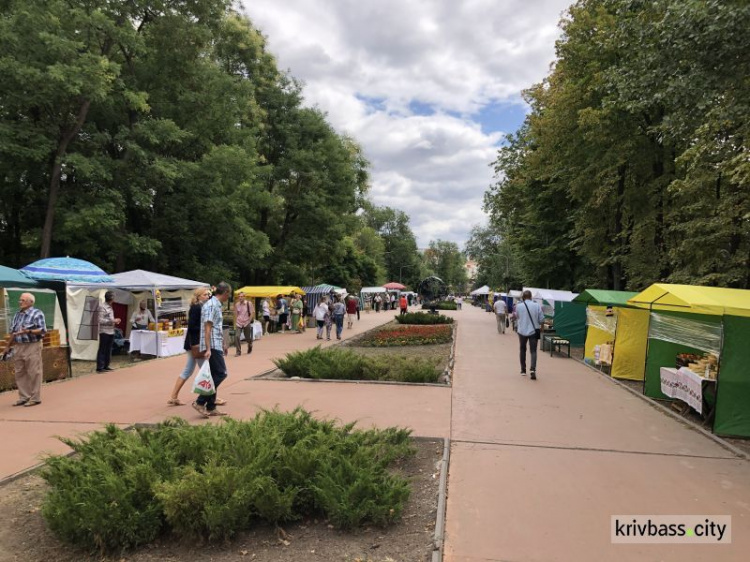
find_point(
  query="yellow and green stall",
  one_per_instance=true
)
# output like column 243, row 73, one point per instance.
column 693, row 319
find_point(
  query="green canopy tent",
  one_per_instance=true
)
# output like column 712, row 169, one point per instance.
column 692, row 319
column 13, row 278
column 570, row 317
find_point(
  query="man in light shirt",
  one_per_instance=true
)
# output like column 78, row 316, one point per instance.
column 530, row 318
column 501, row 312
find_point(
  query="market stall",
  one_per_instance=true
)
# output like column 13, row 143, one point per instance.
column 167, row 297
column 55, row 365
column 700, row 332
column 548, row 297
column 621, row 332
column 160, row 343
column 367, row 294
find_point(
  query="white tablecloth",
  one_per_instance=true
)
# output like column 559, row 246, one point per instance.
column 160, row 344
column 684, row 385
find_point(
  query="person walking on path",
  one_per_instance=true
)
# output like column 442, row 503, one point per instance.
column 192, row 341
column 530, row 318
column 107, row 323
column 377, row 300
column 321, row 313
column 339, row 309
column 212, row 346
column 352, row 306
column 244, row 314
column 459, row 302
column 501, row 312
column 26, row 334
column 403, row 304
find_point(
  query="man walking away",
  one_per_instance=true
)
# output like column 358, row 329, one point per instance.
column 212, row 346
column 403, row 303
column 530, row 318
column 26, row 333
column 501, row 313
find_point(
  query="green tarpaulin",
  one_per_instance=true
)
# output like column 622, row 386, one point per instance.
column 13, row 278
column 605, row 297
column 733, row 413
column 570, row 322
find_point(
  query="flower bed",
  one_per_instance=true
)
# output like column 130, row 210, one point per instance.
column 408, row 335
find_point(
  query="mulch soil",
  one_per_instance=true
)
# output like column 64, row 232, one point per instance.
column 24, row 536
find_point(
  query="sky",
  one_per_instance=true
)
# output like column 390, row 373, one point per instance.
column 428, row 88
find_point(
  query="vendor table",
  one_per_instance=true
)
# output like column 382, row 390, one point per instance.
column 160, row 344
column 684, row 385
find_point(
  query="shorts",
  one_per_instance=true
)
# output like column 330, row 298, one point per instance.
column 282, row 318
column 266, row 318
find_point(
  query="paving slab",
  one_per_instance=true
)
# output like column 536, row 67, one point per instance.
column 542, row 504
column 538, row 467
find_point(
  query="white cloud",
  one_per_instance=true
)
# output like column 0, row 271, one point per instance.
column 452, row 57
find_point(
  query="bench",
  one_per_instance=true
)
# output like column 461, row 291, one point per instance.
column 555, row 343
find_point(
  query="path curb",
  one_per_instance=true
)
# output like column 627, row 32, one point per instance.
column 437, row 552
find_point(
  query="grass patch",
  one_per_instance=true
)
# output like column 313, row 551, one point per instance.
column 342, row 364
column 206, row 483
column 407, row 335
column 422, row 318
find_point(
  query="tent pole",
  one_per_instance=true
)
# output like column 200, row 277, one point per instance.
column 156, row 317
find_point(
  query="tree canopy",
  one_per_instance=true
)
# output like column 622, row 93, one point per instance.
column 632, row 166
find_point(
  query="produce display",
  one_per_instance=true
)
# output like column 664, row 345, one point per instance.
column 705, row 365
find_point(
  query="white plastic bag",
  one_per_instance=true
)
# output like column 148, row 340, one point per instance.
column 204, row 383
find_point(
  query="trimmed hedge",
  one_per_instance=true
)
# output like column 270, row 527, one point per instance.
column 342, row 364
column 442, row 305
column 421, row 318
column 125, row 489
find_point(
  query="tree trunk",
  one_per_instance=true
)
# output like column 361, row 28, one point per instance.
column 54, row 183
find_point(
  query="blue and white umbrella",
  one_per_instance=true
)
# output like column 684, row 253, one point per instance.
column 66, row 269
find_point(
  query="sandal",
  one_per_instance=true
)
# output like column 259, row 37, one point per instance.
column 175, row 402
column 212, row 413
column 221, row 402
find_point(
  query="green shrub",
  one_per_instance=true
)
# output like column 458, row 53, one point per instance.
column 442, row 305
column 124, row 489
column 423, row 318
column 340, row 364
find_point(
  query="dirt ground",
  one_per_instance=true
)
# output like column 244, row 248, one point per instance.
column 24, row 536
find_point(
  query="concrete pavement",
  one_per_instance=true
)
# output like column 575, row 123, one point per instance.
column 538, row 467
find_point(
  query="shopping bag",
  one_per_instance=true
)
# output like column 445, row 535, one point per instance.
column 204, row 383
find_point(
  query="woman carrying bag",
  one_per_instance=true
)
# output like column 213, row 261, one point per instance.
column 192, row 340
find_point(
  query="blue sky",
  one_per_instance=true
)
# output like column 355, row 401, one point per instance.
column 429, row 89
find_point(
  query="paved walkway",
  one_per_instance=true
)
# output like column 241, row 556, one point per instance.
column 537, row 467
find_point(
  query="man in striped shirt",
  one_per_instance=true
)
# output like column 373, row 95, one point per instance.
column 27, row 331
column 213, row 347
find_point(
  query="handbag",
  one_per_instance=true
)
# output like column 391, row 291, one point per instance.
column 507, row 322
column 537, row 331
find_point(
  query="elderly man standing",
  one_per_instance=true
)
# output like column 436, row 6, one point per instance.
column 27, row 331
column 244, row 314
column 212, row 346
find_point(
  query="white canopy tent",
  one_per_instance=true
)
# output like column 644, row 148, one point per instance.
column 130, row 287
column 547, row 297
column 480, row 291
